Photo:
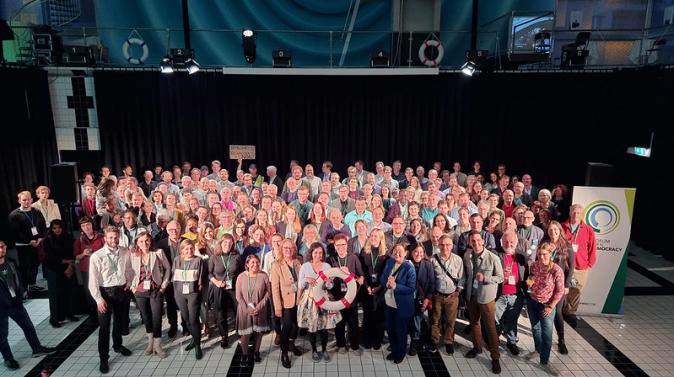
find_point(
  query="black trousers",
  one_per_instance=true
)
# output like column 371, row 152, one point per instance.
column 223, row 300
column 62, row 294
column 28, row 264
column 288, row 327
column 19, row 314
column 374, row 322
column 172, row 308
column 117, row 300
column 349, row 318
column 190, row 305
column 149, row 305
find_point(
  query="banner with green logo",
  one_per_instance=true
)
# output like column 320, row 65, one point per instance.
column 608, row 210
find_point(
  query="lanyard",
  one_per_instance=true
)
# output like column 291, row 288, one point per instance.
column 574, row 233
column 339, row 261
column 251, row 288
column 373, row 258
column 30, row 217
column 292, row 271
column 147, row 267
column 186, row 265
column 226, row 264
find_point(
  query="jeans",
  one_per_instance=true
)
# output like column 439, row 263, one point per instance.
column 19, row 314
column 541, row 328
column 559, row 319
column 508, row 309
column 117, row 301
column 149, row 305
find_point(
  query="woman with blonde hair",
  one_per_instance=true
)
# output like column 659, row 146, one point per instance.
column 309, row 236
column 290, row 226
column 50, row 210
column 262, row 221
column 373, row 257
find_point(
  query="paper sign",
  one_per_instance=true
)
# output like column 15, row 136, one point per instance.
column 244, row 152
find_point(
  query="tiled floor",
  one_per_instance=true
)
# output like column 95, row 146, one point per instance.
column 644, row 336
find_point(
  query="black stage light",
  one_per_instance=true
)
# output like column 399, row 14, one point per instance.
column 282, row 59
column 379, row 60
column 192, row 66
column 166, row 65
column 248, row 41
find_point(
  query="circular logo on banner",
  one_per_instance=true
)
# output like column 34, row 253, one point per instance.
column 603, row 216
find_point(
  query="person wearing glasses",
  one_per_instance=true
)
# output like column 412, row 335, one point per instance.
column 400, row 282
column 530, row 232
column 348, row 263
column 171, row 246
column 546, row 288
column 449, row 283
column 284, row 286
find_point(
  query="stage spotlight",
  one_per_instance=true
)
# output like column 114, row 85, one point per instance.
column 166, row 65
column 281, row 59
column 379, row 60
column 248, row 38
column 192, row 66
column 468, row 68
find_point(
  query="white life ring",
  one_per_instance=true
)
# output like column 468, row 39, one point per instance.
column 135, row 41
column 321, row 295
column 422, row 52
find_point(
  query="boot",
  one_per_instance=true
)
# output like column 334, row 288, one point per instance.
column 150, row 344
column 158, row 350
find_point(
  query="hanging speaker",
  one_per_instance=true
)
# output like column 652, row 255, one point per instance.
column 64, row 188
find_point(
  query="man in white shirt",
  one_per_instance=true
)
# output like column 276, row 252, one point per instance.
column 108, row 287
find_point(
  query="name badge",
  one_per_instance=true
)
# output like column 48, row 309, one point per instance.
column 146, row 285
column 511, row 280
column 475, row 283
column 11, row 292
column 33, row 230
column 374, row 277
column 293, row 286
column 574, row 247
column 250, row 305
column 186, row 288
column 228, row 284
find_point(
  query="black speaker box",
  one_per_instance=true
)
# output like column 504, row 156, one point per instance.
column 64, row 188
column 599, row 174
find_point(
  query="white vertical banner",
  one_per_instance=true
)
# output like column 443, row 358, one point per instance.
column 608, row 210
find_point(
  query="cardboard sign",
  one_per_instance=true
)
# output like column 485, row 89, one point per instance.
column 244, row 152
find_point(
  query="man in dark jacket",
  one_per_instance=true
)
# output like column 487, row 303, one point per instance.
column 29, row 228
column 11, row 306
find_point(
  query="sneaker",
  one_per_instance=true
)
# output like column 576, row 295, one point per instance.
column 36, row 288
column 315, row 357
column 44, row 351
column 562, row 348
column 326, row 356
column 432, row 348
column 12, row 364
column 513, row 348
column 532, row 355
column 549, row 369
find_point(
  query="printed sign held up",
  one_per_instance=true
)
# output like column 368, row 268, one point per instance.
column 244, row 152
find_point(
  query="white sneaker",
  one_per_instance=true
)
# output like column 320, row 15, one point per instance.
column 532, row 355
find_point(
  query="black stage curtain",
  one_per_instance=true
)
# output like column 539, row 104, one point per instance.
column 28, row 143
column 549, row 125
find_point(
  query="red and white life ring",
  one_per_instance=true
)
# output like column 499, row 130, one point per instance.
column 321, row 295
column 422, row 52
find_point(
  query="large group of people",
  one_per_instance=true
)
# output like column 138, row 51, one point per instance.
column 419, row 248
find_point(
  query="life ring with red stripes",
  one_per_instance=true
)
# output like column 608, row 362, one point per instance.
column 422, row 52
column 321, row 295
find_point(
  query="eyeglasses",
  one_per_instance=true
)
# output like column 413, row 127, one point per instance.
column 446, row 244
column 340, row 245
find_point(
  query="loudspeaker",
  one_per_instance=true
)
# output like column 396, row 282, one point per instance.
column 599, row 174
column 64, row 183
